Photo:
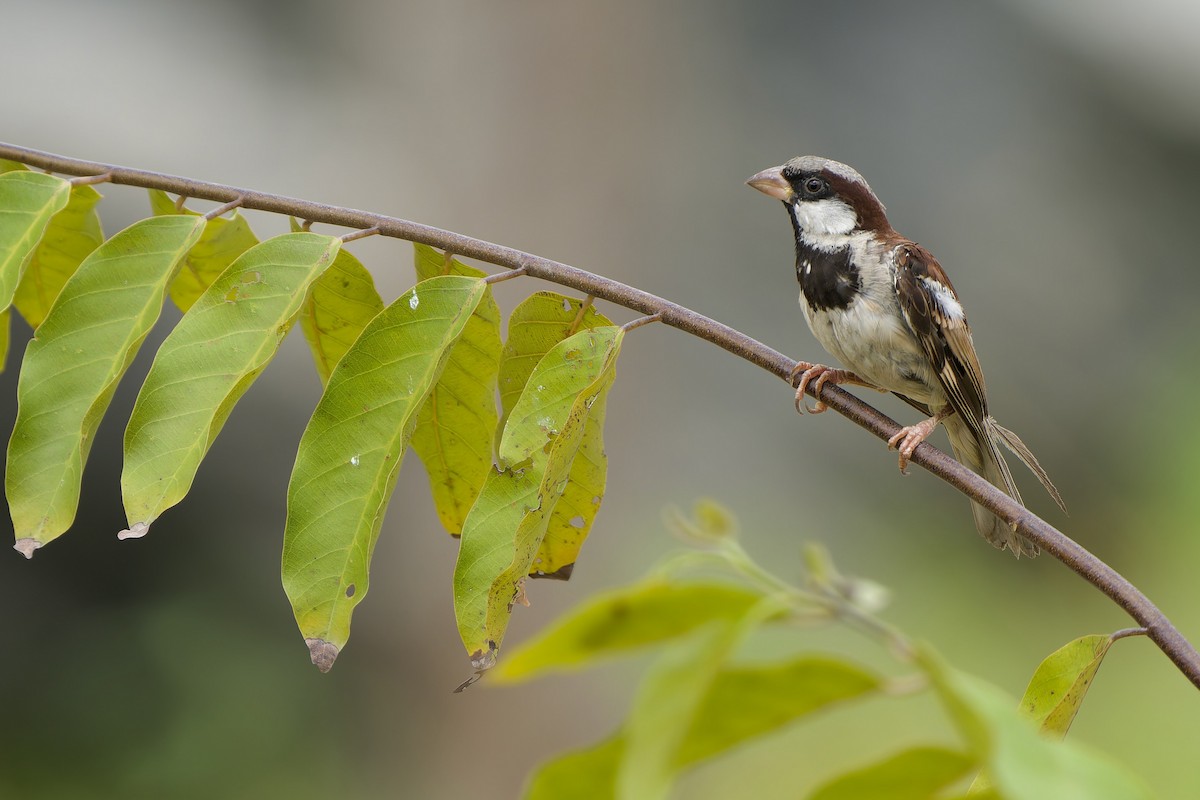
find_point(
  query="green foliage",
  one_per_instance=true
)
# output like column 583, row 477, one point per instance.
column 222, row 344
column 696, row 703
column 71, row 236
column 339, row 305
column 540, row 322
column 1056, row 690
column 28, row 200
column 351, row 451
column 453, row 437
column 72, row 367
column 223, row 240
column 540, row 443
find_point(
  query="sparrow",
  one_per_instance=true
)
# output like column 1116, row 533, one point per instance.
column 883, row 306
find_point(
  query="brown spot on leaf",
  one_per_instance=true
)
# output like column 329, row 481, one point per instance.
column 350, row 590
column 323, row 653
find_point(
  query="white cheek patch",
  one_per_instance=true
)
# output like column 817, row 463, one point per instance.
column 947, row 302
column 824, row 217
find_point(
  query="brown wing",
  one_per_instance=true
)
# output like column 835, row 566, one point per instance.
column 935, row 315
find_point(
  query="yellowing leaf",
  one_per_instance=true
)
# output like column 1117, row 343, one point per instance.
column 505, row 528
column 339, row 305
column 72, row 234
column 534, row 327
column 453, row 437
column 224, row 239
column 73, row 364
column 351, row 451
column 27, row 202
column 224, row 341
column 1061, row 681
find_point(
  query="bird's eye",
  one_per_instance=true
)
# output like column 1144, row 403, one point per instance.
column 814, row 186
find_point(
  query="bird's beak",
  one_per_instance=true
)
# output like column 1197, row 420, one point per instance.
column 771, row 181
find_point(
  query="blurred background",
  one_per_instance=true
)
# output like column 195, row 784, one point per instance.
column 1047, row 152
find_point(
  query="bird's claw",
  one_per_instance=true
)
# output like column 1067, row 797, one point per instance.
column 804, row 373
column 908, row 438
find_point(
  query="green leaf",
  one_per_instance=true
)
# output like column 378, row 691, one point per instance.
column 11, row 166
column 224, row 239
column 351, row 451
column 207, row 363
column 71, row 236
column 749, row 701
column 27, row 202
column 504, row 530
column 740, row 703
column 621, row 621
column 534, row 327
column 453, row 437
column 73, row 364
column 1057, row 688
column 917, row 774
column 1018, row 760
column 588, row 774
column 665, row 707
column 339, row 305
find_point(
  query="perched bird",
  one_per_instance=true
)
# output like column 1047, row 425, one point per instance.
column 883, row 306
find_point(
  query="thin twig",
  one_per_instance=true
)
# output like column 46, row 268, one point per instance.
column 352, row 235
column 224, row 209
column 88, row 180
column 500, row 277
column 640, row 321
column 1023, row 521
column 1126, row 632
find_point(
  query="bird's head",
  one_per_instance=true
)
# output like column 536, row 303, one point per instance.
column 823, row 197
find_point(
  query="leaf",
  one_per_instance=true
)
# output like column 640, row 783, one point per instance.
column 72, row 234
column 1020, row 762
column 587, row 774
column 621, row 621
column 502, row 533
column 351, row 451
column 224, row 239
column 535, row 326
column 453, row 437
column 208, row 362
column 73, row 364
column 920, row 773
column 740, row 703
column 752, row 700
column 27, row 202
column 665, row 707
column 339, row 305
column 1061, row 681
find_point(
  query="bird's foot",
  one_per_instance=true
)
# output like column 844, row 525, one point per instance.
column 804, row 373
column 909, row 437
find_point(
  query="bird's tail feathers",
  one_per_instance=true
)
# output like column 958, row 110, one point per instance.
column 985, row 458
column 1013, row 443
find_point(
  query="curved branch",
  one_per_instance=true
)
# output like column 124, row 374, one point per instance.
column 1089, row 567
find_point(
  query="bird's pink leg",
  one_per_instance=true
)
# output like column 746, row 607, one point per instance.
column 909, row 437
column 804, row 373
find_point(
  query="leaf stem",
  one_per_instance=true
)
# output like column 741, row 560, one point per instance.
column 1024, row 522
